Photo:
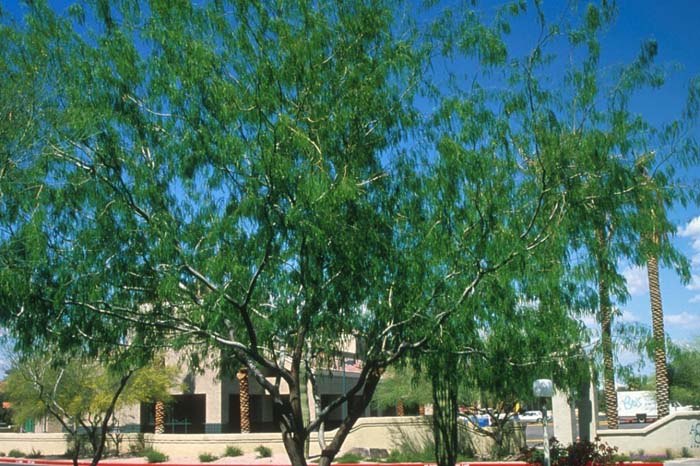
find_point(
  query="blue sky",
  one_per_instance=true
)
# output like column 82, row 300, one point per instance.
column 675, row 24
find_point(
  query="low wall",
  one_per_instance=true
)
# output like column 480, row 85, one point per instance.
column 47, row 444
column 677, row 434
column 388, row 433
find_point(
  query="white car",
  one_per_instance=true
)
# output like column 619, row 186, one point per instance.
column 530, row 417
column 675, row 406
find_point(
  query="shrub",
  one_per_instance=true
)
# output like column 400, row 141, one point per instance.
column 155, row 456
column 263, row 451
column 576, row 454
column 207, row 457
column 2, row 453
column 233, row 451
column 14, row 453
column 349, row 458
column 34, row 454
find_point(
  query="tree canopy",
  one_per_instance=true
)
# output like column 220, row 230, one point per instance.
column 270, row 179
column 82, row 395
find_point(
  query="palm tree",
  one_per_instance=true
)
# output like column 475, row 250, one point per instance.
column 653, row 239
column 244, row 396
column 605, row 315
column 657, row 322
column 160, row 418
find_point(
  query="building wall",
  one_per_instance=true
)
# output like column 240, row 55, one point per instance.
column 679, row 433
column 221, row 392
column 388, row 433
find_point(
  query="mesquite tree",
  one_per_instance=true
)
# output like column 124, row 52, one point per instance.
column 262, row 179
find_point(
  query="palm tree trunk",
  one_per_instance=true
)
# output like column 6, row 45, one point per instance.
column 606, row 333
column 160, row 418
column 244, row 396
column 608, row 360
column 657, row 320
column 399, row 407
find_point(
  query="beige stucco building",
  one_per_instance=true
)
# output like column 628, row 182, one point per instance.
column 204, row 402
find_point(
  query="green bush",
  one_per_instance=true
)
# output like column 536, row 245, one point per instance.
column 207, row 458
column 576, row 454
column 155, row 456
column 348, row 458
column 412, row 456
column 2, row 453
column 34, row 454
column 14, row 453
column 233, row 451
column 263, row 451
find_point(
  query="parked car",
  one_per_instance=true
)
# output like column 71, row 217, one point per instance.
column 675, row 406
column 530, row 417
column 480, row 420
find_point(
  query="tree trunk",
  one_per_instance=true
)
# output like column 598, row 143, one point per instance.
column 606, row 332
column 244, row 397
column 399, row 407
column 445, row 385
column 99, row 437
column 160, row 418
column 657, row 320
column 608, row 359
column 304, row 395
column 356, row 409
column 294, row 445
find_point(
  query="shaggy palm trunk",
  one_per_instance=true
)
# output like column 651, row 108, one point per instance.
column 608, row 360
column 657, row 320
column 244, row 397
column 606, row 333
column 160, row 418
column 399, row 407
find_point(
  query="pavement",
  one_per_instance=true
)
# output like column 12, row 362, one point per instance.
column 243, row 460
column 683, row 462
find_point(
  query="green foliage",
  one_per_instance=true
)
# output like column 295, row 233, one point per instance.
column 207, row 457
column 410, row 455
column 154, row 456
column 422, row 451
column 684, row 375
column 349, row 458
column 232, row 451
column 576, row 454
column 81, row 390
column 33, row 454
column 246, row 178
column 263, row 451
column 403, row 383
column 14, row 453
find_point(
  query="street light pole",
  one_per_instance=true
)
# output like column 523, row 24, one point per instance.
column 543, row 388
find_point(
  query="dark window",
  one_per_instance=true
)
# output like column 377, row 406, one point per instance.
column 184, row 414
